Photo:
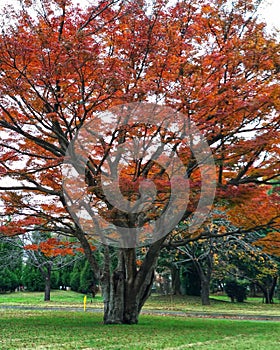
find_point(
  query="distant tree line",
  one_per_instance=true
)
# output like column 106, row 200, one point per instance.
column 20, row 270
column 231, row 265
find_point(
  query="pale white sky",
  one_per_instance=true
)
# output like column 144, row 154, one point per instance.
column 270, row 10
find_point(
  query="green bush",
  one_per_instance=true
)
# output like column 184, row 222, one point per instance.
column 8, row 280
column 32, row 279
column 236, row 290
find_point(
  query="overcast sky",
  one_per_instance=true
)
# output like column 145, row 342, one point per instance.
column 270, row 11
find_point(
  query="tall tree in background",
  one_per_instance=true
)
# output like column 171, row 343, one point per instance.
column 238, row 258
column 36, row 257
column 201, row 254
column 48, row 254
column 61, row 64
column 11, row 265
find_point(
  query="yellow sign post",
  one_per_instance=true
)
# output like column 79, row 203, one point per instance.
column 85, row 303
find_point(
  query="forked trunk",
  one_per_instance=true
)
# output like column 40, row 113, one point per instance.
column 126, row 289
column 124, row 303
column 268, row 291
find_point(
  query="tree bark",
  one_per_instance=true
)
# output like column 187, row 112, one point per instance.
column 205, row 273
column 46, row 271
column 205, row 291
column 126, row 289
column 47, row 296
column 124, row 297
column 268, row 291
column 272, row 289
column 176, row 282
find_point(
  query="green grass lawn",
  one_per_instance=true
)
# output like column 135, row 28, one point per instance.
column 84, row 330
column 252, row 306
column 58, row 297
column 31, row 329
column 219, row 304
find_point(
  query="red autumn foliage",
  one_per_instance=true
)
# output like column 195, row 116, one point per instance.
column 213, row 62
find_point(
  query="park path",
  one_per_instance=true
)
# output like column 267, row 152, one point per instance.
column 152, row 312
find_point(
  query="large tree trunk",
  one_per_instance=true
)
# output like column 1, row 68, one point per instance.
column 126, row 289
column 124, row 303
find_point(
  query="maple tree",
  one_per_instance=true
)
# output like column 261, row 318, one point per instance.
column 42, row 251
column 61, row 65
column 48, row 254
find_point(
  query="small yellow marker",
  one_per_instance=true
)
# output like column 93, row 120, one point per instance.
column 85, row 303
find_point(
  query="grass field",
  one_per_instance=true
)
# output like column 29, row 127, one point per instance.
column 49, row 329
column 252, row 306
column 81, row 330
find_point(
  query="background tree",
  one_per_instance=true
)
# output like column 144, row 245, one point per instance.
column 240, row 260
column 236, row 289
column 191, row 281
column 82, row 278
column 169, row 271
column 87, row 282
column 35, row 258
column 11, row 264
column 32, row 278
column 48, row 254
column 61, row 64
column 201, row 254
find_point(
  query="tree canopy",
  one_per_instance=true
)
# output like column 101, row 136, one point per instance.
column 61, row 65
